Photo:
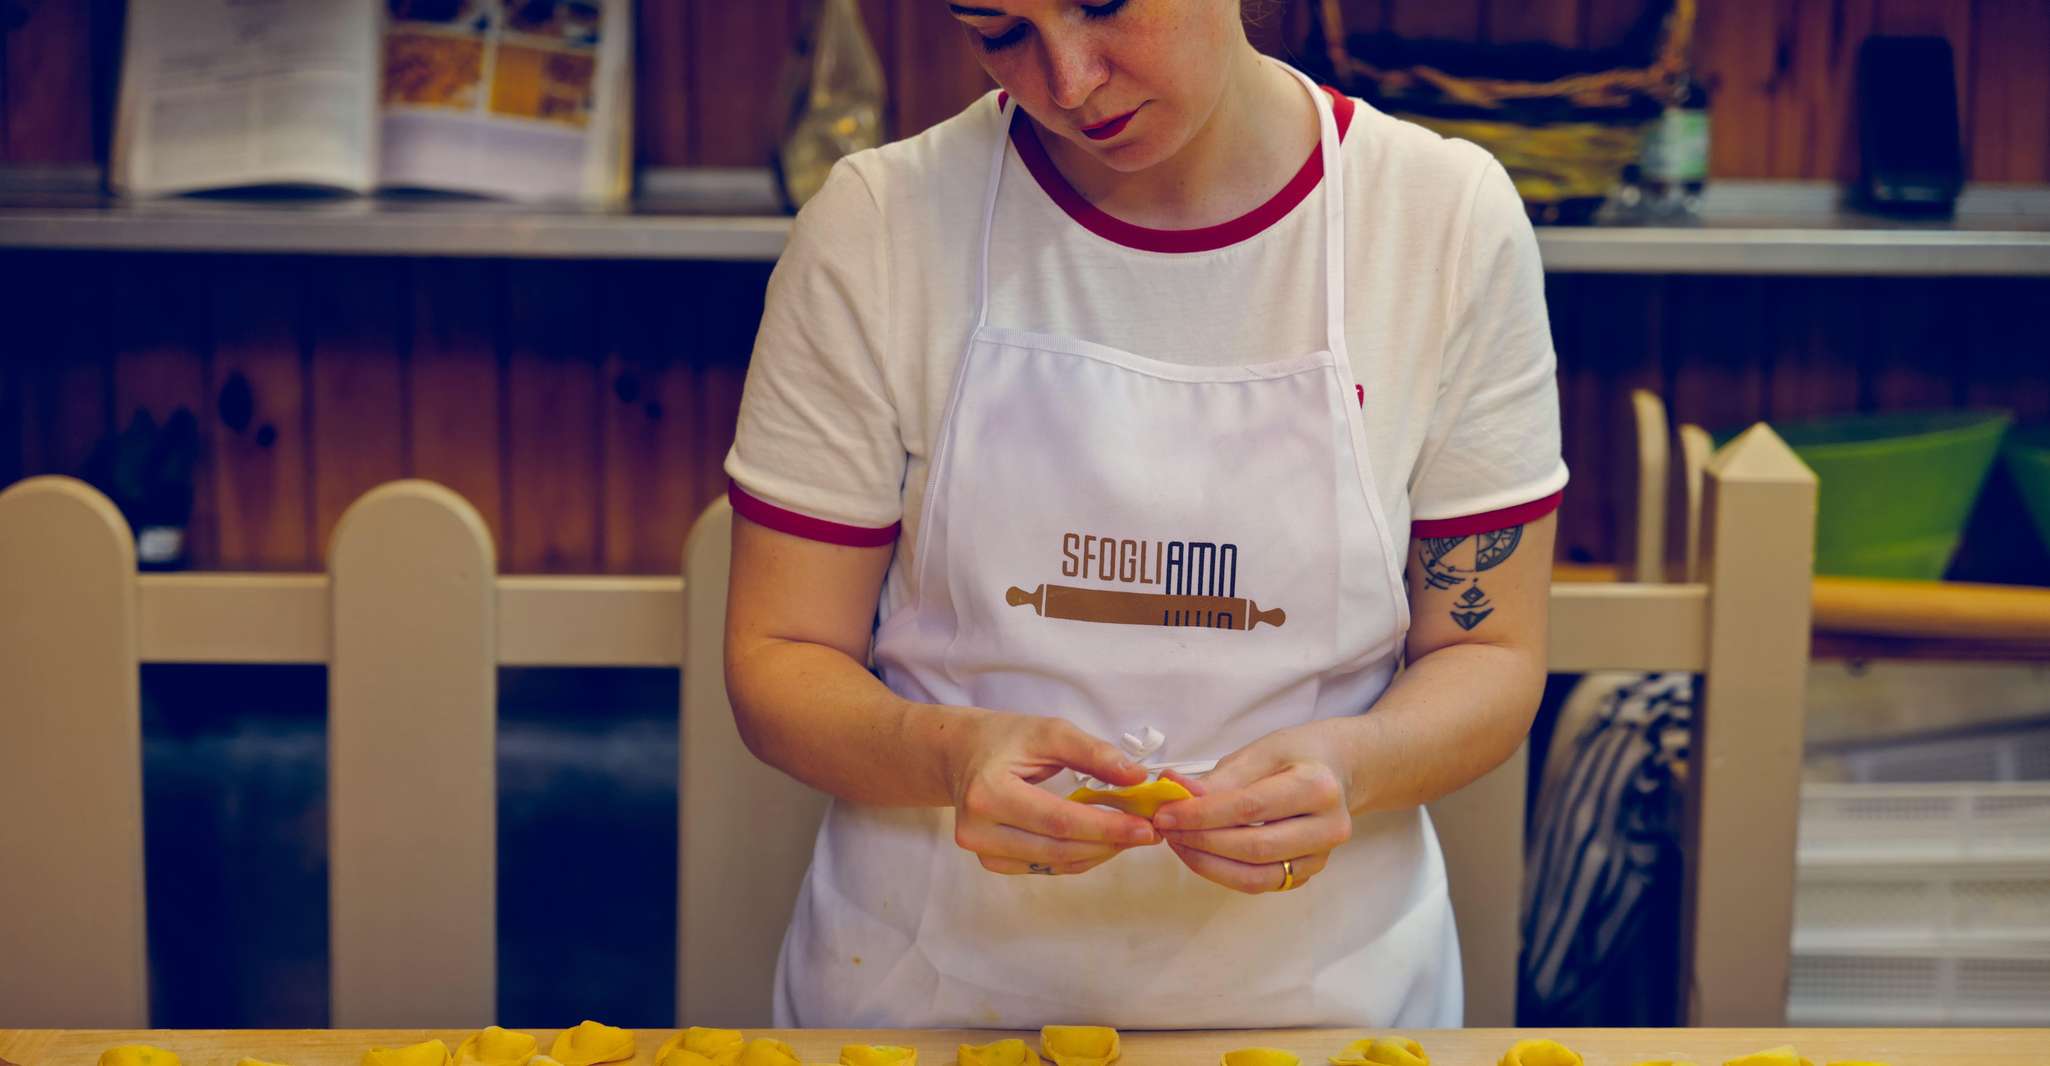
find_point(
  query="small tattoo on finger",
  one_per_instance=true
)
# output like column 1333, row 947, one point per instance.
column 1040, row 868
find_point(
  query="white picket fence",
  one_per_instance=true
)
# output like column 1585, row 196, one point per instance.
column 413, row 621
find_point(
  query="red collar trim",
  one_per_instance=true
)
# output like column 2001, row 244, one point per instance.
column 1206, row 239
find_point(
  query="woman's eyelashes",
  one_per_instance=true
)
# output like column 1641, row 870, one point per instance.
column 1005, row 39
column 1017, row 32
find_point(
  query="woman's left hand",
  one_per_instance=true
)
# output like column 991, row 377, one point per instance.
column 1281, row 797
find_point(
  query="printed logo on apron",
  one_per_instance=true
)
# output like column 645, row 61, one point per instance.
column 1193, row 583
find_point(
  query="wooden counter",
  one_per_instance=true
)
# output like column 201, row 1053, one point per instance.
column 1460, row 1047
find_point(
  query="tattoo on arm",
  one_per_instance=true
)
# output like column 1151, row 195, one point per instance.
column 1496, row 548
column 1438, row 573
column 1471, row 607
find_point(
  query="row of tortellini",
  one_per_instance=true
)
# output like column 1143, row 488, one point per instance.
column 592, row 1044
column 1548, row 1053
column 588, row 1044
column 1381, row 1051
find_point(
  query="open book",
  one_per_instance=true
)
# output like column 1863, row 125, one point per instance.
column 524, row 99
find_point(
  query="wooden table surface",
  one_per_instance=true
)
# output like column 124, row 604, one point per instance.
column 1450, row 1047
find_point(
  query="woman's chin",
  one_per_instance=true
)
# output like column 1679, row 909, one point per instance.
column 1127, row 154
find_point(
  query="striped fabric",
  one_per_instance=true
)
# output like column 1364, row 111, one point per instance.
column 1602, row 874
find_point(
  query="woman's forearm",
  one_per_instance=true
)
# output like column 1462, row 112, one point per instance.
column 819, row 716
column 1450, row 717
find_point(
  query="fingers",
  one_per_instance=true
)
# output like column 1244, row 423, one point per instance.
column 1015, row 867
column 1303, row 788
column 1250, row 878
column 1309, row 834
column 1036, row 810
column 1003, row 800
column 1081, row 752
column 992, row 841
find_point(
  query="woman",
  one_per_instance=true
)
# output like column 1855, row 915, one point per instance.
column 1121, row 399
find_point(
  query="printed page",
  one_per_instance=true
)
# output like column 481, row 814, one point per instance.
column 524, row 99
column 225, row 93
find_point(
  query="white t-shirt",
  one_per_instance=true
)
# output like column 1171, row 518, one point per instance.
column 870, row 308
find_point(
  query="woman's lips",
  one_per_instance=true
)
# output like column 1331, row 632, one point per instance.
column 1105, row 130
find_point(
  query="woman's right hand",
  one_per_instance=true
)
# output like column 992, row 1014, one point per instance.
column 1015, row 827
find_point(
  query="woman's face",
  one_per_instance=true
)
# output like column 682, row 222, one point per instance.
column 1128, row 81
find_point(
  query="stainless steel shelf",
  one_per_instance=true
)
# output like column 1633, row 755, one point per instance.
column 381, row 229
column 1804, row 228
column 1746, row 228
column 1726, row 249
column 714, row 214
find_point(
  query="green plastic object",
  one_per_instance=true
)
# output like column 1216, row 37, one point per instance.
column 1894, row 489
column 2028, row 462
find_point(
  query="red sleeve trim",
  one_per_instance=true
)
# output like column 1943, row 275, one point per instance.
column 768, row 514
column 1487, row 522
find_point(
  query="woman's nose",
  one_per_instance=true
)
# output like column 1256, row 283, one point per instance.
column 1074, row 69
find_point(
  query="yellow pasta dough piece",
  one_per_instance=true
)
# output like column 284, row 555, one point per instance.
column 1382, row 1051
column 137, row 1055
column 425, row 1053
column 767, row 1051
column 699, row 1046
column 1141, row 799
column 1012, row 1052
column 1079, row 1045
column 496, row 1047
column 1784, row 1055
column 1540, row 1053
column 256, row 1062
column 1261, row 1056
column 878, row 1055
column 591, row 1043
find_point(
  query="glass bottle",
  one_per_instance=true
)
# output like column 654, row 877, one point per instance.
column 833, row 100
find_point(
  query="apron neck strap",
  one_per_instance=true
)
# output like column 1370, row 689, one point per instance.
column 1007, row 112
column 1333, row 196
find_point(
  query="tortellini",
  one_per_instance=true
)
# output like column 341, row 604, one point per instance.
column 1012, row 1052
column 496, row 1047
column 1079, row 1045
column 878, row 1055
column 591, row 1043
column 137, row 1055
column 1540, row 1053
column 425, row 1053
column 700, row 1046
column 767, row 1051
column 1783, row 1055
column 1261, row 1056
column 1141, row 800
column 1382, row 1051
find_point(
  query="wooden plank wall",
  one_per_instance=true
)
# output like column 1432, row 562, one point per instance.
column 585, row 408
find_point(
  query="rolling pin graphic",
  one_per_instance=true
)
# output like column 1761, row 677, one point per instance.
column 1143, row 608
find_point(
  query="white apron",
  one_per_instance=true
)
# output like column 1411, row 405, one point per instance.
column 1134, row 545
